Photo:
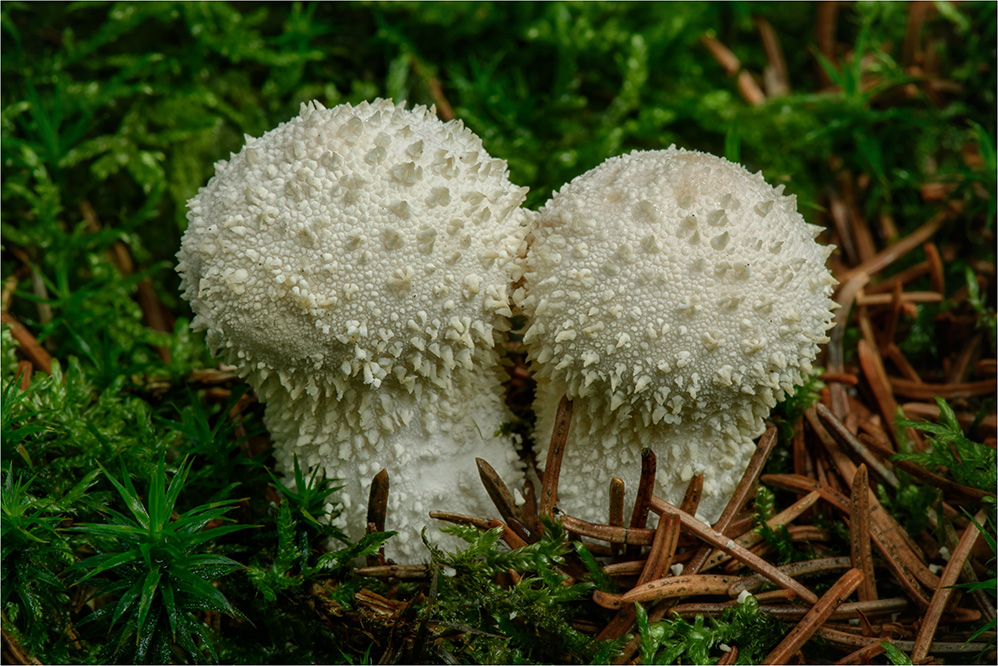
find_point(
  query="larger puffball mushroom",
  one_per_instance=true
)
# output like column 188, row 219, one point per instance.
column 354, row 264
column 675, row 298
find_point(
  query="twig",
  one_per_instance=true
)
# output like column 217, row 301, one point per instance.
column 729, row 657
column 722, row 54
column 7, row 295
column 530, row 507
column 937, row 276
column 815, row 617
column 910, row 52
column 984, row 600
column 839, row 211
column 444, row 110
column 659, row 559
column 965, row 360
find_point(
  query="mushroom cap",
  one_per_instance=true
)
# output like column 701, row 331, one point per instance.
column 674, row 290
column 670, row 283
column 368, row 242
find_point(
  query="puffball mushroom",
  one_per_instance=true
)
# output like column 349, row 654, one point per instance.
column 675, row 298
column 354, row 264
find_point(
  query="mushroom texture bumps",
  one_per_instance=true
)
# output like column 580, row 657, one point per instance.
column 675, row 298
column 354, row 264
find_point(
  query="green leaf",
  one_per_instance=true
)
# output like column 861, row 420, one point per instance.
column 896, row 656
column 146, row 599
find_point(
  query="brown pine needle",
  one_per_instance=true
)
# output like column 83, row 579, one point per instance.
column 556, row 452
column 728, row 545
column 900, row 558
column 794, row 569
column 691, row 500
column 931, row 478
column 859, row 534
column 904, row 297
column 945, row 590
column 616, row 514
column 892, row 253
column 501, row 497
column 377, row 510
column 846, row 639
column 41, row 359
column 625, row 535
column 646, row 486
column 400, row 571
column 663, row 547
column 512, row 539
column 752, row 537
column 667, row 588
column 741, row 495
column 461, row 519
column 835, row 428
column 24, row 370
column 919, row 391
column 815, row 617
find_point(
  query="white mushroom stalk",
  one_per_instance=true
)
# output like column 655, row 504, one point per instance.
column 354, row 264
column 675, row 298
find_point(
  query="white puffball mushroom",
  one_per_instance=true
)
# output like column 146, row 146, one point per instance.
column 675, row 298
column 354, row 263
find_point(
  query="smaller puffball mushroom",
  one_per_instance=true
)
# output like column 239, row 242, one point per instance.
column 354, row 263
column 675, row 298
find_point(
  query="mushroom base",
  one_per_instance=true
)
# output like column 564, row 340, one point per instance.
column 428, row 446
column 602, row 446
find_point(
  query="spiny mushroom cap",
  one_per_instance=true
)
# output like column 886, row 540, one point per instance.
column 674, row 288
column 363, row 242
column 354, row 264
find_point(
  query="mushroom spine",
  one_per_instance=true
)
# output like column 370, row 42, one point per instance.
column 354, row 264
column 675, row 298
